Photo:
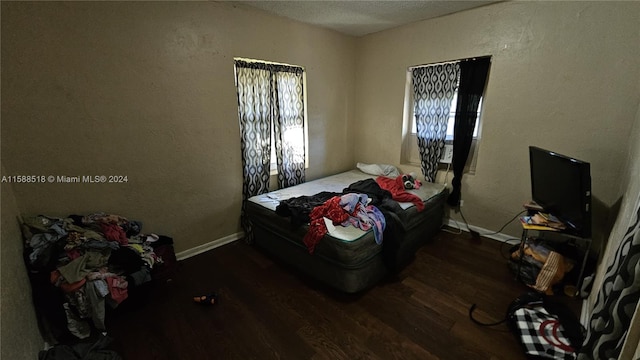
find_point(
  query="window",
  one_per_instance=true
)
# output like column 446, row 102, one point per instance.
column 411, row 153
column 451, row 122
column 272, row 111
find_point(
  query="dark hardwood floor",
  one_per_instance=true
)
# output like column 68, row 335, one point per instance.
column 266, row 311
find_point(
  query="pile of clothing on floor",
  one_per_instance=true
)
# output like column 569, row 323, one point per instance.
column 80, row 264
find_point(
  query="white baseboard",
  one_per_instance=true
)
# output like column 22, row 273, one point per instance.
column 482, row 231
column 209, row 246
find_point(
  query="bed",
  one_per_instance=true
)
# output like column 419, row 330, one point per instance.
column 346, row 258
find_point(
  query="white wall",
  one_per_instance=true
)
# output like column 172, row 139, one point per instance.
column 19, row 335
column 630, row 187
column 146, row 90
column 563, row 77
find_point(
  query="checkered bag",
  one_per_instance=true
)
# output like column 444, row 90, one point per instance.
column 541, row 333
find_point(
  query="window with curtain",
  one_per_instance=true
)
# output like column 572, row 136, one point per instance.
column 272, row 119
column 272, row 112
column 411, row 150
column 450, row 120
column 434, row 88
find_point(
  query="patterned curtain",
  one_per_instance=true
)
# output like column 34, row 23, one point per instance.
column 433, row 89
column 617, row 299
column 269, row 95
column 289, row 126
column 255, row 111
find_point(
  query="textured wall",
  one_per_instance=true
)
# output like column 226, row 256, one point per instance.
column 564, row 76
column 19, row 336
column 146, row 90
column 630, row 188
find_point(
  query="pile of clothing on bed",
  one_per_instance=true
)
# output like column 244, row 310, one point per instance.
column 366, row 204
column 78, row 265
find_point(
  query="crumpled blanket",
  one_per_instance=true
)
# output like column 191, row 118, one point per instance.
column 396, row 187
column 300, row 207
column 362, row 215
column 347, row 210
column 317, row 229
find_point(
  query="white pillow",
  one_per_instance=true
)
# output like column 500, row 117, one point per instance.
column 379, row 169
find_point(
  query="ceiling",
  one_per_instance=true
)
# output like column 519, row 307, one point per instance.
column 358, row 18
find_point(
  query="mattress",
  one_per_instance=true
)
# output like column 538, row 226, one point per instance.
column 336, row 183
column 346, row 257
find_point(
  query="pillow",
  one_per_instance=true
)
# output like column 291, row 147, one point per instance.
column 379, row 169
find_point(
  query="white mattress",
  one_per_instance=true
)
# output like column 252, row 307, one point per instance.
column 337, row 183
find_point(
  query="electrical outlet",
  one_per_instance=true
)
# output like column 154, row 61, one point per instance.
column 461, row 203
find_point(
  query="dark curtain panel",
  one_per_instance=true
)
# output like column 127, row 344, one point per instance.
column 473, row 76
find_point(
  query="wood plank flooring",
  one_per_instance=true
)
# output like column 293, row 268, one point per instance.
column 266, row 311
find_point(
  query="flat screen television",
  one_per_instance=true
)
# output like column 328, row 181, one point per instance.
column 561, row 185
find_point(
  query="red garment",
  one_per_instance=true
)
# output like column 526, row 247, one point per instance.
column 113, row 232
column 332, row 210
column 117, row 288
column 398, row 192
column 73, row 254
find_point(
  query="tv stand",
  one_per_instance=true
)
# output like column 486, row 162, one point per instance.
column 549, row 235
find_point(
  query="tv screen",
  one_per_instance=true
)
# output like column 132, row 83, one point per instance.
column 561, row 185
